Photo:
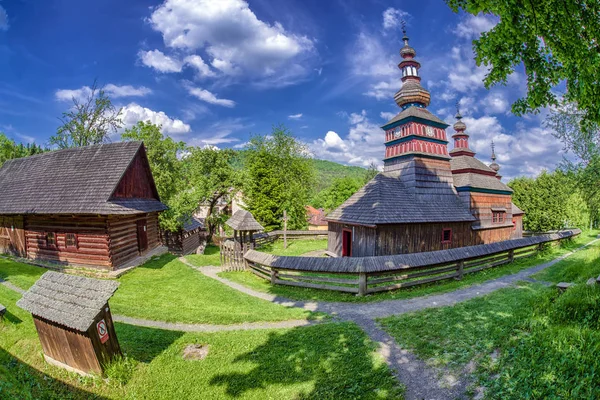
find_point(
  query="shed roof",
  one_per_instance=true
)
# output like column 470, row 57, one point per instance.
column 243, row 220
column 72, row 181
column 69, row 300
column 478, row 181
column 193, row 223
column 386, row 200
column 516, row 210
column 416, row 112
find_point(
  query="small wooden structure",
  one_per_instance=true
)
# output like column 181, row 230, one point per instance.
column 232, row 251
column 187, row 239
column 73, row 321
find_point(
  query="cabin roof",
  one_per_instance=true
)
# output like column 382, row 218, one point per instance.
column 69, row 300
column 415, row 112
column 474, row 179
column 516, row 210
column 72, row 181
column 316, row 217
column 386, row 200
column 192, row 224
column 242, row 220
column 468, row 162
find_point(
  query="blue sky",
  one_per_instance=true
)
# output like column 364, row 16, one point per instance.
column 213, row 72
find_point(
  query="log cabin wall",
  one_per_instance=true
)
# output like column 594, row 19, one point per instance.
column 123, row 236
column 12, row 235
column 137, row 180
column 416, row 238
column 46, row 239
column 191, row 241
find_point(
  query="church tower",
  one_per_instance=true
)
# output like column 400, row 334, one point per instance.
column 415, row 140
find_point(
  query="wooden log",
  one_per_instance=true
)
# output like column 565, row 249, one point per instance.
column 410, row 276
column 409, row 284
column 319, row 279
column 362, row 284
column 460, row 270
column 317, row 286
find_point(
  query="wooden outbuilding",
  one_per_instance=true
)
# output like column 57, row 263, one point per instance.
column 187, row 239
column 73, row 321
column 244, row 226
column 89, row 206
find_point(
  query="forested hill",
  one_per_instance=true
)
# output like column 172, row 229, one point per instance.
column 327, row 171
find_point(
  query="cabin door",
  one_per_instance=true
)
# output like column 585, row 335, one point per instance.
column 142, row 235
column 346, row 243
column 12, row 236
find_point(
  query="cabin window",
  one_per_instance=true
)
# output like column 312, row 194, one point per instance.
column 497, row 217
column 71, row 241
column 446, row 235
column 51, row 239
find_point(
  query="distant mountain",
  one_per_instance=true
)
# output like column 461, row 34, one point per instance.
column 327, row 171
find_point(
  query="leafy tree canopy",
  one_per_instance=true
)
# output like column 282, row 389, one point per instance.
column 556, row 40
column 341, row 189
column 89, row 121
column 9, row 149
column 279, row 176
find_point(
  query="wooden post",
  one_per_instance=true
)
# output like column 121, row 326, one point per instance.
column 285, row 219
column 460, row 270
column 362, row 284
column 274, row 275
column 511, row 255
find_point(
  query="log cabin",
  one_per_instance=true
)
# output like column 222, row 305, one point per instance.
column 94, row 206
column 427, row 198
column 187, row 239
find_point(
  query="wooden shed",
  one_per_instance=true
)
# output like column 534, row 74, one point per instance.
column 91, row 206
column 73, row 320
column 187, row 239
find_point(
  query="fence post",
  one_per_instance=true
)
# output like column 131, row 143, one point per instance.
column 460, row 270
column 511, row 255
column 274, row 275
column 362, row 284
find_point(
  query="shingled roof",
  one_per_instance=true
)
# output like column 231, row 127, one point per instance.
column 475, row 180
column 242, row 220
column 386, row 200
column 72, row 181
column 193, row 223
column 416, row 112
column 69, row 300
column 516, row 210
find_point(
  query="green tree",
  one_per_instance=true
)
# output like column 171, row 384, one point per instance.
column 212, row 177
column 166, row 167
column 341, row 189
column 9, row 149
column 89, row 121
column 556, row 40
column 279, row 176
column 565, row 122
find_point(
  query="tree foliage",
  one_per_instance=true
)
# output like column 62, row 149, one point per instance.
column 339, row 191
column 9, row 149
column 89, row 121
column 551, row 201
column 279, row 176
column 556, row 40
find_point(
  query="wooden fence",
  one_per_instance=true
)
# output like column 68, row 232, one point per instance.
column 363, row 275
column 232, row 255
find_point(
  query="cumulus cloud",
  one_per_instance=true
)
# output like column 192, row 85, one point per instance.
column 3, row 19
column 231, row 35
column 219, row 133
column 202, row 69
column 132, row 113
column 474, row 25
column 362, row 145
column 392, row 18
column 295, row 116
column 159, row 61
column 112, row 90
column 496, row 103
column 387, row 115
column 208, row 97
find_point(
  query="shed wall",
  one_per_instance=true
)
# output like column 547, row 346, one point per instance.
column 363, row 239
column 123, row 236
column 12, row 235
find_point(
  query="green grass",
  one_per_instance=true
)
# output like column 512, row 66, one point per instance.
column 546, row 343
column 295, row 247
column 209, row 258
column 587, row 266
column 19, row 274
column 328, row 361
column 168, row 290
column 252, row 281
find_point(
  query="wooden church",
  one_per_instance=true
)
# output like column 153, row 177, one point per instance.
column 427, row 198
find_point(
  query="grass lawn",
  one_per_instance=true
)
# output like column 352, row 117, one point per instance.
column 587, row 266
column 165, row 289
column 526, row 342
column 328, row 361
column 250, row 280
column 295, row 247
column 209, row 258
column 19, row 274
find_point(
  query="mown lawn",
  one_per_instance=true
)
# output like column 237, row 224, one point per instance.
column 296, row 247
column 21, row 275
column 328, row 361
column 168, row 290
column 526, row 342
column 252, row 281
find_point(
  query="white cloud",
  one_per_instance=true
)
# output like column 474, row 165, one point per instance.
column 367, row 57
column 473, row 25
column 132, row 113
column 384, row 90
column 231, row 35
column 362, row 145
column 112, row 90
column 159, row 61
column 205, row 95
column 202, row 69
column 295, row 116
column 3, row 19
column 387, row 115
column 392, row 18
column 495, row 103
column 218, row 133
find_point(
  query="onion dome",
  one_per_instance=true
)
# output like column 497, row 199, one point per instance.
column 494, row 165
column 411, row 93
column 459, row 126
column 461, row 138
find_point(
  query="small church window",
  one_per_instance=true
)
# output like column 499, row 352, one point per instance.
column 50, row 239
column 497, row 217
column 70, row 241
column 446, row 235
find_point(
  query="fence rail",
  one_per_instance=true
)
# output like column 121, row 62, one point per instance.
column 364, row 275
